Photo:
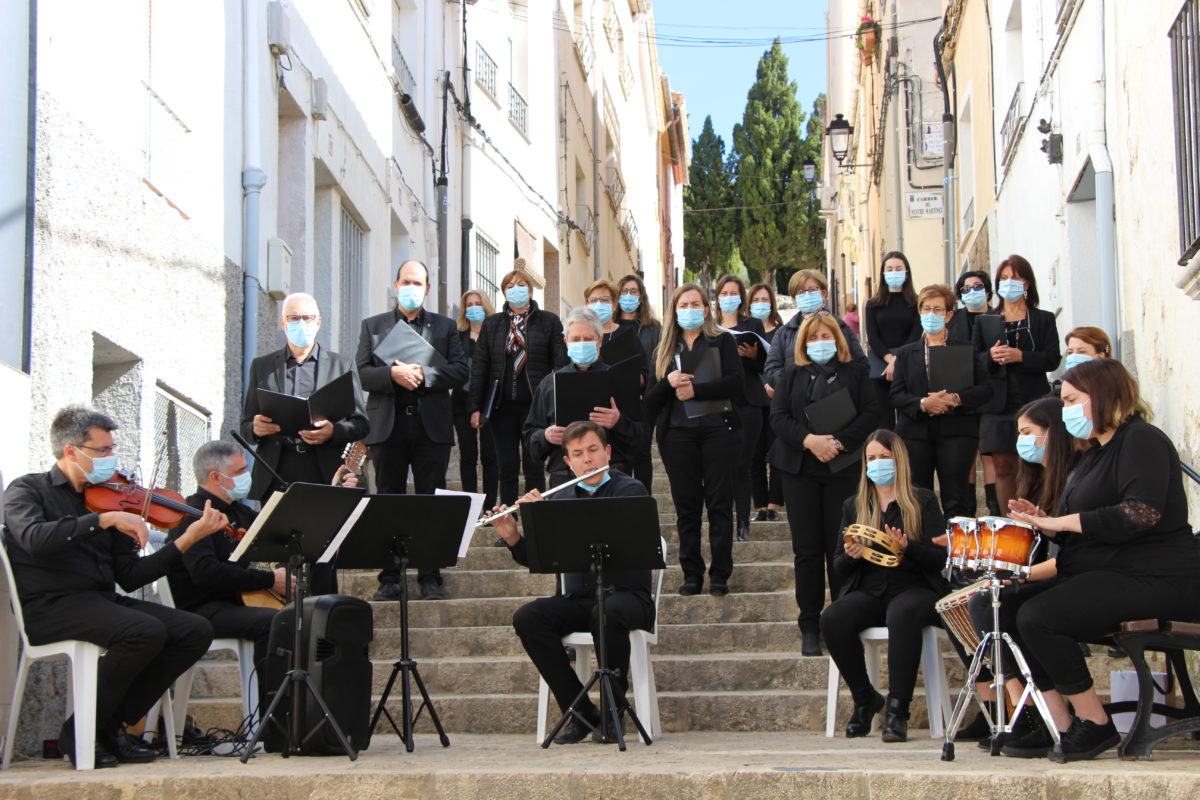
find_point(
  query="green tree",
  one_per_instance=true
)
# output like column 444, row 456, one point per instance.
column 779, row 225
column 708, row 234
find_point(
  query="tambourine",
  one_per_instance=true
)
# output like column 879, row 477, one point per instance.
column 864, row 534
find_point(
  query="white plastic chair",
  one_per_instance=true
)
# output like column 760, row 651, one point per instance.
column 937, row 687
column 84, row 658
column 641, row 669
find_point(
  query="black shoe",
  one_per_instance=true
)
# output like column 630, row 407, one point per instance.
column 128, row 749
column 865, row 709
column 691, row 586
column 978, row 730
column 388, row 590
column 772, row 515
column 718, row 589
column 761, row 515
column 582, row 723
column 810, row 643
column 1036, row 744
column 432, row 590
column 743, row 532
column 1085, row 739
column 895, row 721
column 1028, row 720
column 66, row 746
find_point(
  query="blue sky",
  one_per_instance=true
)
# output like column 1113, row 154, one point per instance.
column 711, row 58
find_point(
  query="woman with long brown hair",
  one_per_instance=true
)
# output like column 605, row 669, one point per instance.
column 636, row 311
column 891, row 320
column 901, row 597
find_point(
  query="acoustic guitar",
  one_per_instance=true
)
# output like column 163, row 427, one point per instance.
column 352, row 459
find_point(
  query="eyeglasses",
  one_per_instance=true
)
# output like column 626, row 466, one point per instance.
column 104, row 451
column 631, row 291
column 971, row 287
column 605, row 300
column 935, row 310
column 301, row 317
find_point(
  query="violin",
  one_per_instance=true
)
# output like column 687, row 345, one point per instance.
column 162, row 508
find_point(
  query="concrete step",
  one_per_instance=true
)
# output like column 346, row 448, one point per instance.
column 488, row 556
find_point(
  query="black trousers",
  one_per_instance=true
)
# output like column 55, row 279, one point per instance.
column 477, row 447
column 698, row 462
column 1060, row 612
column 409, row 447
column 953, row 457
column 904, row 614
column 232, row 621
column 814, row 508
column 764, row 491
column 511, row 453
column 752, row 421
column 541, row 624
column 643, row 465
column 887, row 412
column 305, row 467
column 148, row 646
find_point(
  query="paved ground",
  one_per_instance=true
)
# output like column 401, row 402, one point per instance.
column 697, row 766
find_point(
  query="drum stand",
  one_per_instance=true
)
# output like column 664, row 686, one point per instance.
column 996, row 639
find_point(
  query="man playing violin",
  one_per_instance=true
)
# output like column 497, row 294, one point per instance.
column 67, row 560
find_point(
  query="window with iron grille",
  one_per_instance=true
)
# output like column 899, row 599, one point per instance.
column 487, row 253
column 485, row 71
column 179, row 430
column 1185, row 72
column 352, row 269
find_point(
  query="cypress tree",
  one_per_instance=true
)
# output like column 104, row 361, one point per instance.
column 708, row 234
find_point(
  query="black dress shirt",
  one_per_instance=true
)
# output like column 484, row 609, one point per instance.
column 301, row 378
column 58, row 547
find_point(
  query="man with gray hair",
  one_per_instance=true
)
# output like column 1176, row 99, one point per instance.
column 66, row 561
column 543, row 434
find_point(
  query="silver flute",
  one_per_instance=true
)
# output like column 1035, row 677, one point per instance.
column 546, row 493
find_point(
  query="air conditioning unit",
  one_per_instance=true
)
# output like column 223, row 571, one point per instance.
column 277, row 28
column 320, row 99
column 279, row 268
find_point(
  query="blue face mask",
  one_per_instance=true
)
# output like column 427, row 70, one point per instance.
column 821, row 351
column 1011, row 290
column 729, row 304
column 895, row 278
column 1029, row 450
column 103, row 468
column 809, row 301
column 301, row 333
column 1077, row 424
column 603, row 311
column 582, row 353
column 1075, row 359
column 689, row 318
column 976, row 298
column 517, row 296
column 410, row 297
column 592, row 489
column 241, row 485
column 629, row 303
column 933, row 323
column 474, row 314
column 760, row 310
column 882, row 471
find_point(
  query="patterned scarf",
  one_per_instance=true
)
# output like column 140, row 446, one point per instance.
column 516, row 340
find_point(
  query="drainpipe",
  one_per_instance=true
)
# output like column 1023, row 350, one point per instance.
column 597, row 170
column 253, row 180
column 948, row 216
column 1105, row 191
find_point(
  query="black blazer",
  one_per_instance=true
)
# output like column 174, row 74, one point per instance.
column 910, row 384
column 433, row 399
column 267, row 372
column 1031, row 372
column 544, row 347
column 790, row 423
column 920, row 557
column 660, row 396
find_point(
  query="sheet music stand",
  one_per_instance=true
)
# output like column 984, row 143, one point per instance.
column 608, row 533
column 297, row 529
column 421, row 531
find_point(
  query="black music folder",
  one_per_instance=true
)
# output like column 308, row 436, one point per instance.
column 625, row 384
column 951, row 367
column 829, row 415
column 577, row 393
column 623, row 345
column 333, row 401
column 747, row 337
column 404, row 344
column 991, row 330
column 704, row 365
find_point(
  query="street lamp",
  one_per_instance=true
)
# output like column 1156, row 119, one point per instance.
column 839, row 132
column 810, row 170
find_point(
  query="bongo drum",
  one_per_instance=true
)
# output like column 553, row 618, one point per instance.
column 1006, row 545
column 963, row 538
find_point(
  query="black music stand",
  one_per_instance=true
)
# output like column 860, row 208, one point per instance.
column 421, row 531
column 614, row 533
column 296, row 526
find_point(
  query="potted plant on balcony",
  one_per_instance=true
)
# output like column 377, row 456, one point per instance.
column 867, row 38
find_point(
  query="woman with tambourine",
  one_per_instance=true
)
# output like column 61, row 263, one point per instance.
column 899, row 522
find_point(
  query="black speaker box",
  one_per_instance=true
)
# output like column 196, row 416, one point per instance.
column 337, row 633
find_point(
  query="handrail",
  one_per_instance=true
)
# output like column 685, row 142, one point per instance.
column 1191, row 473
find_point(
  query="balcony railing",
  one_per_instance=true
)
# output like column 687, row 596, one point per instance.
column 587, row 225
column 614, row 185
column 584, row 49
column 518, row 110
column 968, row 218
column 404, row 76
column 1012, row 122
column 485, row 70
column 627, row 78
column 629, row 230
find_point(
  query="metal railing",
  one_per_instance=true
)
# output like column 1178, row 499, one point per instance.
column 404, row 76
column 518, row 110
column 584, row 48
column 629, row 229
column 1008, row 130
column 614, row 185
column 627, row 78
column 485, row 70
column 1185, row 71
column 968, row 218
column 587, row 224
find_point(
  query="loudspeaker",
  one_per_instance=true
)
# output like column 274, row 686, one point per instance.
column 337, row 633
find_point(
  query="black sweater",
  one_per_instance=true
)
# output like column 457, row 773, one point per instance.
column 1132, row 508
column 892, row 325
column 921, row 563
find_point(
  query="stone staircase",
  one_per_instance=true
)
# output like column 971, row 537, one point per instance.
column 721, row 664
